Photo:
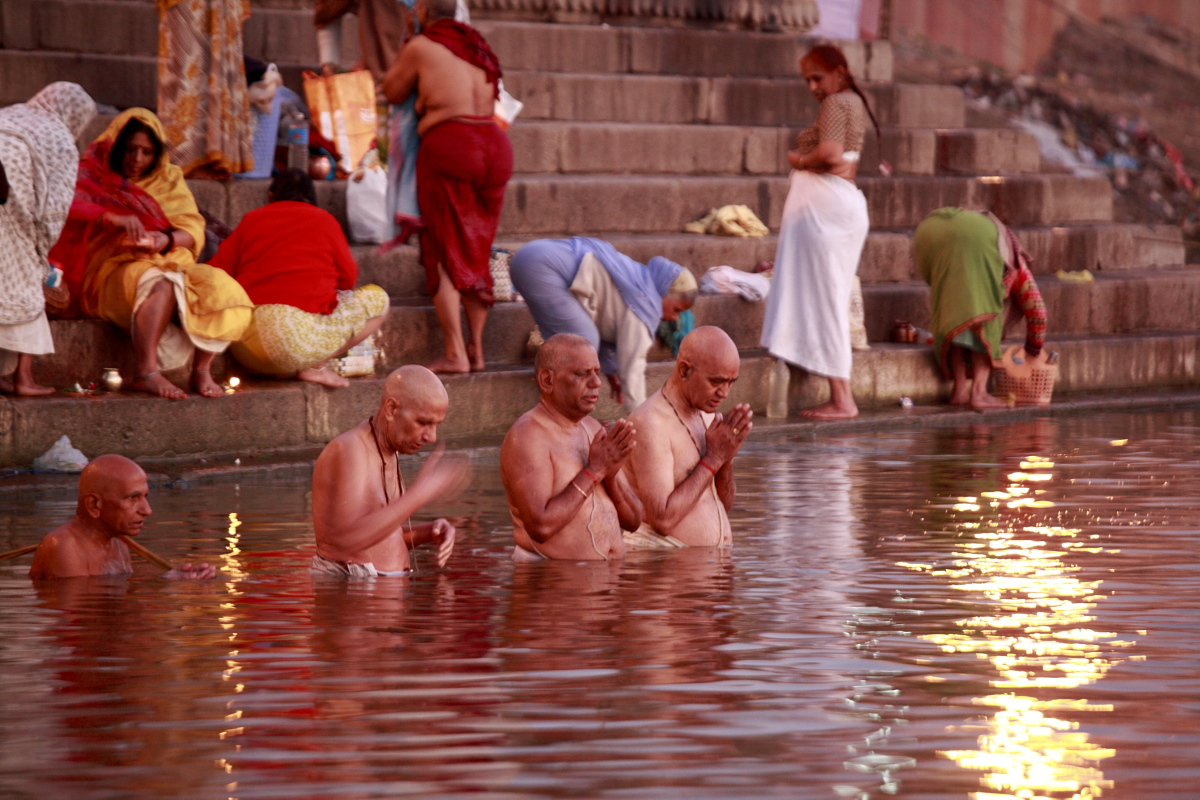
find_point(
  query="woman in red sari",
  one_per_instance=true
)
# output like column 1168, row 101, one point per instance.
column 129, row 251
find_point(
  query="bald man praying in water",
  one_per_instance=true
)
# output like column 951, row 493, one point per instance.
column 682, row 469
column 562, row 470
column 361, row 509
column 113, row 502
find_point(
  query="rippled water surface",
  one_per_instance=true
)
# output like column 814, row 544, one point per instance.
column 1003, row 610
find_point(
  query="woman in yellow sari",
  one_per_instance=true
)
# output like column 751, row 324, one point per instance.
column 129, row 251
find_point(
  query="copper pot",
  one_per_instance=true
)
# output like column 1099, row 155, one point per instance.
column 904, row 333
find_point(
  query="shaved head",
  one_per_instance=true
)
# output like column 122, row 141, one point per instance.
column 708, row 346
column 707, row 366
column 414, row 404
column 568, row 375
column 104, row 473
column 559, row 350
column 113, row 496
column 414, row 385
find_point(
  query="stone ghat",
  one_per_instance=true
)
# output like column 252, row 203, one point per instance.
column 1119, row 302
column 266, row 416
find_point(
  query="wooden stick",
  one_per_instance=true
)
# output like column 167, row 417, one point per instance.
column 156, row 560
column 20, row 551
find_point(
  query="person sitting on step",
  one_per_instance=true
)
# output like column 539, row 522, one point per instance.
column 292, row 258
column 128, row 252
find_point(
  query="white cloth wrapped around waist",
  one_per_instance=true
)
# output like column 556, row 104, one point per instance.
column 323, row 566
column 853, row 156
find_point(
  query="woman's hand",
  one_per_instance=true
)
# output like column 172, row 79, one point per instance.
column 130, row 224
column 152, row 242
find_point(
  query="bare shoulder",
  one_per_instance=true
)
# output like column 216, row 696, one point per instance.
column 650, row 416
column 525, row 433
column 56, row 553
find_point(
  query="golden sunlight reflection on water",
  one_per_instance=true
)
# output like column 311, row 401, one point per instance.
column 1037, row 636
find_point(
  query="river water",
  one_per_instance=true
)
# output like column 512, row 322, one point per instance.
column 999, row 610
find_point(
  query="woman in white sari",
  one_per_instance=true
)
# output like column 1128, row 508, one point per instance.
column 807, row 321
column 39, row 159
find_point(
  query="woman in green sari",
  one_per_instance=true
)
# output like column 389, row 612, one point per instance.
column 973, row 264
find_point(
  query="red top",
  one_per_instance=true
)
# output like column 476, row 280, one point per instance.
column 290, row 253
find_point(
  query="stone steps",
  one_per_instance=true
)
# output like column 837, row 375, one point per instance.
column 271, row 415
column 288, row 37
column 541, row 147
column 676, row 99
column 886, row 257
column 538, row 205
column 646, row 204
column 1121, row 302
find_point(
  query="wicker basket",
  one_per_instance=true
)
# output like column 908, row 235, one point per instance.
column 1030, row 381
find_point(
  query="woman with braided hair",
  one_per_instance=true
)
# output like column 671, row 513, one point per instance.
column 822, row 235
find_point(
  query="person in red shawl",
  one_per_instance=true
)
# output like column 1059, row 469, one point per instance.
column 128, row 253
column 292, row 258
column 463, row 165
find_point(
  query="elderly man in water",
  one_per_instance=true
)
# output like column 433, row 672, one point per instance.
column 361, row 509
column 113, row 502
column 682, row 470
column 562, row 470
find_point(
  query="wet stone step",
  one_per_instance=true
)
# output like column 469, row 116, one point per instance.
column 558, row 147
column 1115, row 303
column 271, row 414
column 537, row 205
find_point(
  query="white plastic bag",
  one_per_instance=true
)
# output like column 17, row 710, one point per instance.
column 61, row 457
column 507, row 108
column 366, row 205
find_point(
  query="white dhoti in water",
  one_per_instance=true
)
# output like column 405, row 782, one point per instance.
column 821, row 238
column 346, row 569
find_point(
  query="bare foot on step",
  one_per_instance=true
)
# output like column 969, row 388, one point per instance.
column 323, row 376
column 827, row 412
column 986, row 402
column 444, row 366
column 202, row 382
column 155, row 383
column 476, row 361
column 24, row 389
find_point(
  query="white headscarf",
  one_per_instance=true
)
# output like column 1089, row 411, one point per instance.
column 37, row 148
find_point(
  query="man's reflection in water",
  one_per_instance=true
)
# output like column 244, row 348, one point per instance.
column 427, row 720
column 615, row 631
column 126, row 667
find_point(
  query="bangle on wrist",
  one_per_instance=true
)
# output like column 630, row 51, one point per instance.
column 170, row 242
column 582, row 493
column 706, row 465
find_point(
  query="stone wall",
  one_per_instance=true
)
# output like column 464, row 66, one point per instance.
column 795, row 15
column 1018, row 34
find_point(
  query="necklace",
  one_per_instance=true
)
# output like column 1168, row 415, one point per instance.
column 695, row 444
column 691, row 436
column 412, row 556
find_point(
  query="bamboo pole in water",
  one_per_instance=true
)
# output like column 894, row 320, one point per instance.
column 142, row 551
column 20, row 551
column 153, row 558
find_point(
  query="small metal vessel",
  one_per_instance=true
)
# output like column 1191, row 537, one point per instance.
column 110, row 379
